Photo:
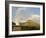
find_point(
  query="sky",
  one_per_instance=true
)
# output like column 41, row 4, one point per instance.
column 25, row 13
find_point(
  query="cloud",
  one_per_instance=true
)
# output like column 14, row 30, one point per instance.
column 17, row 18
column 20, row 9
column 18, row 13
column 35, row 18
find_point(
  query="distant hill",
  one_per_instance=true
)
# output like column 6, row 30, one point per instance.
column 30, row 23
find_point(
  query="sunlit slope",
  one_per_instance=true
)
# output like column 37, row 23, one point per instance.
column 31, row 24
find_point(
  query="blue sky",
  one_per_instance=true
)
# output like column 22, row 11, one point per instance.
column 28, row 11
column 25, row 12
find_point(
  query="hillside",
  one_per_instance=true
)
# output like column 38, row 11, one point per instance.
column 28, row 25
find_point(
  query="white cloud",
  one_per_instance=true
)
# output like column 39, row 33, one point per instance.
column 18, row 15
column 16, row 19
column 34, row 17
